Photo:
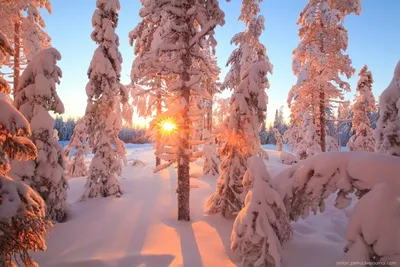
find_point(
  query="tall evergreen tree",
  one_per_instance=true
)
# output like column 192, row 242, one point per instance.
column 103, row 112
column 23, row 226
column 363, row 140
column 36, row 97
column 248, row 80
column 182, row 31
column 319, row 60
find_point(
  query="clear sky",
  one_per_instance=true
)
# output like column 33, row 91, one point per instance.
column 374, row 39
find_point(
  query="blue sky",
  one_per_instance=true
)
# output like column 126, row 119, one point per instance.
column 373, row 40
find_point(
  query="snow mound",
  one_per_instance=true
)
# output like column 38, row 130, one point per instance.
column 288, row 158
column 305, row 185
column 378, row 237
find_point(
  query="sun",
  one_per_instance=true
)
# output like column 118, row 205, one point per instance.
column 167, row 126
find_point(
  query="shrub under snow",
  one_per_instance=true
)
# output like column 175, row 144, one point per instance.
column 331, row 144
column 288, row 158
column 373, row 231
column 262, row 226
column 307, row 184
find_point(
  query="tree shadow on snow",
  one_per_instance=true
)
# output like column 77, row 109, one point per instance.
column 163, row 260
column 189, row 248
column 223, row 227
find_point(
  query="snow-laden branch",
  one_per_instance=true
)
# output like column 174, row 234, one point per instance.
column 306, row 185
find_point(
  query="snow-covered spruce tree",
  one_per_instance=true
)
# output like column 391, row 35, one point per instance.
column 149, row 94
column 210, row 82
column 248, row 80
column 103, row 112
column 319, row 60
column 278, row 139
column 293, row 136
column 262, row 226
column 309, row 144
column 77, row 166
column 203, row 126
column 21, row 21
column 220, row 111
column 376, row 239
column 331, row 144
column 363, row 140
column 210, row 165
column 387, row 132
column 36, row 97
column 22, row 211
column 177, row 51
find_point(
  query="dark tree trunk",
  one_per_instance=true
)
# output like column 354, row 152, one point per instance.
column 322, row 119
column 158, row 160
column 183, row 189
column 17, row 56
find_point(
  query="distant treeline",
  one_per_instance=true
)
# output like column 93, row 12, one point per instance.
column 65, row 129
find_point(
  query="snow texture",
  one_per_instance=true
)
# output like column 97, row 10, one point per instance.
column 78, row 142
column 210, row 166
column 387, row 132
column 26, row 13
column 22, row 211
column 36, row 97
column 86, row 239
column 278, row 139
column 363, row 140
column 103, row 112
column 175, row 38
column 309, row 144
column 262, row 226
column 378, row 237
column 307, row 184
column 247, row 78
column 320, row 63
column 288, row 158
column 332, row 144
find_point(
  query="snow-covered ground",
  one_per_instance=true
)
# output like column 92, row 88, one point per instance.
column 140, row 228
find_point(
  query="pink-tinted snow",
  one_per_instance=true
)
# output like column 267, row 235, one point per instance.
column 140, row 228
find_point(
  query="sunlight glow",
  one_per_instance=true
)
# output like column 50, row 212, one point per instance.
column 167, row 126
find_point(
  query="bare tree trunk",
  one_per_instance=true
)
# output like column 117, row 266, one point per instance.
column 183, row 189
column 322, row 120
column 209, row 107
column 158, row 160
column 209, row 117
column 17, row 56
